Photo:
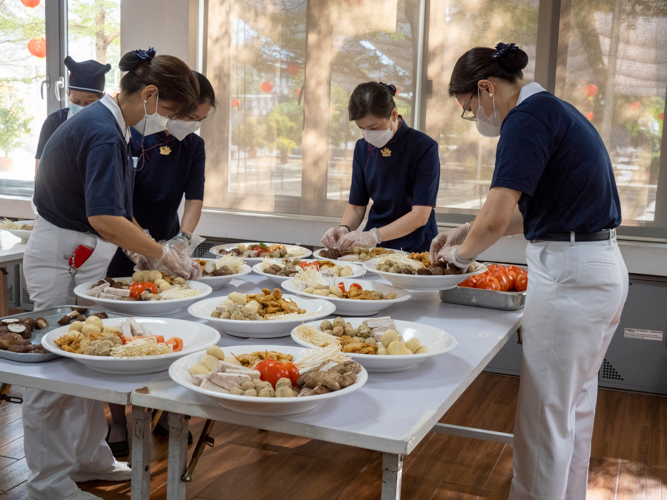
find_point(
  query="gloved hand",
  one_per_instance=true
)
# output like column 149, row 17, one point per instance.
column 333, row 235
column 450, row 254
column 366, row 239
column 455, row 236
column 175, row 258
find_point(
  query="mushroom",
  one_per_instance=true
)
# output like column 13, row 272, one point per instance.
column 41, row 323
column 65, row 320
column 10, row 321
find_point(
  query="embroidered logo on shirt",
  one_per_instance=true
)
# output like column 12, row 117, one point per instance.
column 385, row 152
column 165, row 150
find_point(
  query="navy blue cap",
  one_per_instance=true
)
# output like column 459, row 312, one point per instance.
column 87, row 76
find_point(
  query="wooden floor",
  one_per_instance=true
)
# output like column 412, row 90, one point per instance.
column 629, row 457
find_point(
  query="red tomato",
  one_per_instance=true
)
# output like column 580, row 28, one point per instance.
column 488, row 283
column 176, row 343
column 136, row 289
column 342, row 287
column 469, row 283
column 516, row 269
column 511, row 276
column 272, row 370
column 356, row 285
column 502, row 278
column 521, row 283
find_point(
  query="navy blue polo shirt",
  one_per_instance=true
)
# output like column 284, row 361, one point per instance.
column 402, row 174
column 52, row 122
column 173, row 168
column 85, row 170
column 551, row 153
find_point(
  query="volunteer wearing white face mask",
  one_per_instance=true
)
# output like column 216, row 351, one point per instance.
column 83, row 192
column 552, row 163
column 175, row 161
column 395, row 166
column 85, row 86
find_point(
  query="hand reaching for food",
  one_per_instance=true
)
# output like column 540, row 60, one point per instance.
column 450, row 254
column 367, row 239
column 455, row 236
column 333, row 235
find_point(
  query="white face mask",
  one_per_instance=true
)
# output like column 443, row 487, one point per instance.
column 152, row 124
column 377, row 138
column 74, row 108
column 180, row 129
column 488, row 126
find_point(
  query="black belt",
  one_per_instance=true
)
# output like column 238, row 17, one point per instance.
column 603, row 235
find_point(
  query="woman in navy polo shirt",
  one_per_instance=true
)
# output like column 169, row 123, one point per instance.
column 83, row 193
column 554, row 182
column 395, row 166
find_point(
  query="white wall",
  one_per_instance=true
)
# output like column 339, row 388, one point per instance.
column 167, row 25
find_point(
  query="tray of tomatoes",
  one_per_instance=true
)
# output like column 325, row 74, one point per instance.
column 500, row 287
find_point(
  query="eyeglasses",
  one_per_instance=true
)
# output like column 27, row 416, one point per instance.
column 467, row 111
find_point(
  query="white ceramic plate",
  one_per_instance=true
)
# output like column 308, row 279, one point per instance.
column 436, row 340
column 357, row 307
column 141, row 308
column 272, row 407
column 316, row 255
column 422, row 283
column 195, row 336
column 262, row 329
column 358, row 271
column 219, row 281
column 304, row 253
column 22, row 233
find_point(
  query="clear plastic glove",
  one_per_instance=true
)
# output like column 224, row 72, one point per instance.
column 449, row 238
column 175, row 258
column 450, row 254
column 367, row 239
column 331, row 237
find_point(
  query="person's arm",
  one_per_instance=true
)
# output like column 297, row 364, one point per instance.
column 353, row 216
column 125, row 234
column 516, row 223
column 191, row 215
column 491, row 223
column 405, row 225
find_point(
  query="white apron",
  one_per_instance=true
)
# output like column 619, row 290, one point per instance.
column 63, row 435
column 576, row 293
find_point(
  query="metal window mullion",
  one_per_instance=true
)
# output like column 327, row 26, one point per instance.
column 661, row 191
column 419, row 114
column 55, row 13
column 546, row 53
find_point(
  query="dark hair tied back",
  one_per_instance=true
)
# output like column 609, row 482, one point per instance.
column 132, row 60
column 391, row 88
column 505, row 62
column 372, row 99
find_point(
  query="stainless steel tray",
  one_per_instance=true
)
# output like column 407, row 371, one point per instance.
column 507, row 301
column 52, row 316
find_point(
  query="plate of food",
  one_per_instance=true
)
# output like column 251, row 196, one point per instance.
column 350, row 296
column 282, row 270
column 269, row 380
column 357, row 255
column 377, row 344
column 129, row 346
column 416, row 272
column 216, row 273
column 254, row 252
column 145, row 293
column 20, row 228
column 267, row 314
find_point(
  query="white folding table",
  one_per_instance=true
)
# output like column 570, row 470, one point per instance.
column 392, row 413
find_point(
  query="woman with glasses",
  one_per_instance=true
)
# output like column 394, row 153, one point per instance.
column 395, row 166
column 554, row 182
column 170, row 165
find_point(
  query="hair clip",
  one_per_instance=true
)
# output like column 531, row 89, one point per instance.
column 145, row 55
column 502, row 49
column 391, row 88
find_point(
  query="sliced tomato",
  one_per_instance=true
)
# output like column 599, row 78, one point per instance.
column 521, row 283
column 469, row 283
column 305, row 265
column 176, row 343
column 502, row 277
column 342, row 287
column 356, row 285
column 158, row 338
column 488, row 283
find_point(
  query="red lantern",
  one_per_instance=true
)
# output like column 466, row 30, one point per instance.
column 591, row 89
column 266, row 87
column 298, row 91
column 635, row 106
column 236, row 103
column 661, row 117
column 37, row 47
column 293, row 69
column 31, row 4
column 590, row 115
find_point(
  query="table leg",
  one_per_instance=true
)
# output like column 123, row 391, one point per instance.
column 4, row 298
column 141, row 453
column 178, row 456
column 392, row 476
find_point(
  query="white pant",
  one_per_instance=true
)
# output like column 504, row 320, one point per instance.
column 575, row 297
column 63, row 435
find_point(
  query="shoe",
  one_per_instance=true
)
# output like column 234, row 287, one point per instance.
column 119, row 449
column 82, row 495
column 119, row 472
column 160, row 430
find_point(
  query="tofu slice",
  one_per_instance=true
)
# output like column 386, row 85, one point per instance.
column 227, row 380
column 205, row 384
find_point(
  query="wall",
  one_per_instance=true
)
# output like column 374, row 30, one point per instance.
column 167, row 25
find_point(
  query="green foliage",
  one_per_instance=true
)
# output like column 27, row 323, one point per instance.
column 14, row 122
column 18, row 25
column 284, row 147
